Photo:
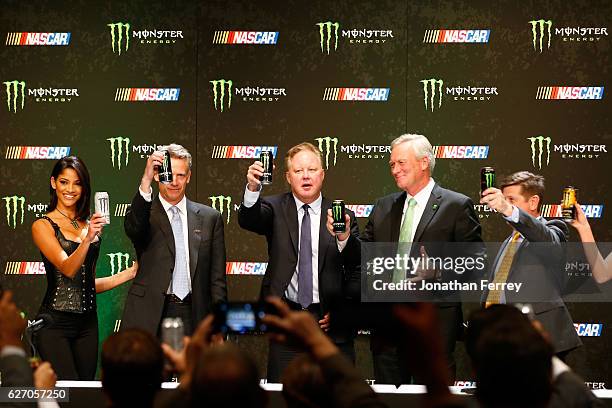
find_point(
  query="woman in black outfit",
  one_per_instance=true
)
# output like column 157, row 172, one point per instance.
column 70, row 244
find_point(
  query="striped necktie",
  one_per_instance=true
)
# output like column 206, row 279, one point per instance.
column 501, row 276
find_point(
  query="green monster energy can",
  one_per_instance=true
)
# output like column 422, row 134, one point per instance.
column 267, row 160
column 165, row 170
column 487, row 178
column 338, row 213
column 570, row 197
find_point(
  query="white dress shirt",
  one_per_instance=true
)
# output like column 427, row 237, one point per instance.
column 182, row 206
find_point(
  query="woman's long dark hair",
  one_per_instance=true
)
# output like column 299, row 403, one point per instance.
column 73, row 162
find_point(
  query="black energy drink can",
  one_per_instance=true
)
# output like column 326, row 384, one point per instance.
column 570, row 197
column 165, row 170
column 267, row 160
column 338, row 215
column 487, row 178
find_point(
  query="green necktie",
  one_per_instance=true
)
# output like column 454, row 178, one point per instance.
column 405, row 236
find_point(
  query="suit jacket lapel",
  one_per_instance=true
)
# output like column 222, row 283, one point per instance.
column 325, row 238
column 291, row 220
column 194, row 224
column 430, row 209
column 159, row 214
column 395, row 222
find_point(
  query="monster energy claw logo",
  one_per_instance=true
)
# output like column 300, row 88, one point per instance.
column 217, row 204
column 119, row 146
column 219, row 92
column 13, row 93
column 429, row 90
column 123, row 30
column 118, row 261
column 540, row 149
column 337, row 209
column 537, row 31
column 14, row 205
column 325, row 32
column 325, row 147
column 490, row 179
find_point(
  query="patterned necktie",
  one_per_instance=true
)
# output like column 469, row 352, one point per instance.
column 180, row 277
column 501, row 275
column 305, row 263
column 405, row 237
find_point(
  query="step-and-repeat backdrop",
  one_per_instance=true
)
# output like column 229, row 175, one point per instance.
column 508, row 85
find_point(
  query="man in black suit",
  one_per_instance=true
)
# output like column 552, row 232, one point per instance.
column 305, row 265
column 533, row 255
column 423, row 212
column 180, row 248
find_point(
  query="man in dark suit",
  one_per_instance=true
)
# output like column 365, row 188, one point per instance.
column 305, row 265
column 180, row 249
column 533, row 255
column 423, row 212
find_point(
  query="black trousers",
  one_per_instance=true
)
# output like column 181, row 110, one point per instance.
column 179, row 309
column 70, row 344
column 279, row 355
column 387, row 355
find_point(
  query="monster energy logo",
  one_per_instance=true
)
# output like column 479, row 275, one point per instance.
column 337, row 212
column 123, row 30
column 118, row 261
column 217, row 204
column 490, row 179
column 265, row 161
column 540, row 149
column 119, row 146
column 537, row 31
column 13, row 94
column 219, row 93
column 325, row 147
column 14, row 205
column 325, row 32
column 429, row 89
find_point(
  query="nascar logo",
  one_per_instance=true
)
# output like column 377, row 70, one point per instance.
column 24, row 268
column 360, row 210
column 245, row 268
column 36, row 152
column 147, row 94
column 590, row 210
column 245, row 37
column 356, row 94
column 241, row 152
column 570, row 92
column 38, row 38
column 121, row 209
column 461, row 152
column 456, row 36
column 588, row 329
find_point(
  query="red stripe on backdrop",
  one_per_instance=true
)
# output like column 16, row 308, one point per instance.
column 23, row 38
column 230, row 39
column 441, row 36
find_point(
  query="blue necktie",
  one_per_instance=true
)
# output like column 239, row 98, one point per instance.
column 305, row 263
column 180, row 277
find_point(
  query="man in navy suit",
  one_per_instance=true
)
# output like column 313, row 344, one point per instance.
column 305, row 267
column 421, row 213
column 533, row 255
